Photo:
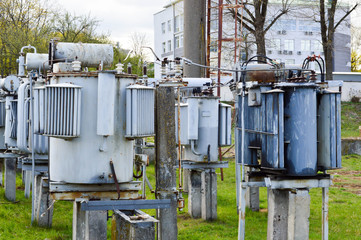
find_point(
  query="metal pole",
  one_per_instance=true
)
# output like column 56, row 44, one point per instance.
column 32, row 149
column 325, row 213
column 165, row 165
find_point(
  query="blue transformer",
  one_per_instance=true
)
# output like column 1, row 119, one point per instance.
column 300, row 136
column 329, row 130
column 292, row 129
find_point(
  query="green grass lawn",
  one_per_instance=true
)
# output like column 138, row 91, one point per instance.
column 350, row 119
column 344, row 211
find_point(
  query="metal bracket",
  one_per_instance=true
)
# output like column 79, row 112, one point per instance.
column 124, row 204
column 186, row 164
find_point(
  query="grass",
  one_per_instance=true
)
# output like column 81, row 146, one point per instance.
column 350, row 119
column 344, row 208
column 344, row 218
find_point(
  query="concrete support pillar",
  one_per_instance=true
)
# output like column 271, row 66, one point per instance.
column 132, row 225
column 27, row 181
column 89, row 225
column 186, row 173
column 288, row 214
column 44, row 204
column 166, row 162
column 252, row 195
column 10, row 179
column 194, row 36
column 209, row 195
column 194, row 193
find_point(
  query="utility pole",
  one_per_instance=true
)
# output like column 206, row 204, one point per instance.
column 165, row 165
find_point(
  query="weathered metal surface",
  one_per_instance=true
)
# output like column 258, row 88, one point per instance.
column 140, row 111
column 64, row 187
column 125, row 204
column 106, row 104
column 71, row 196
column 272, row 118
column 89, row 54
column 325, row 202
column 10, row 84
column 225, row 125
column 37, row 61
column 203, row 119
column 186, row 164
column 10, row 121
column 86, row 159
column 300, row 130
column 329, row 130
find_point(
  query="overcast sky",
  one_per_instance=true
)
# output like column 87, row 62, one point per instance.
column 119, row 17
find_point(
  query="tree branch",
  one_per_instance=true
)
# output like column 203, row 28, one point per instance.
column 345, row 16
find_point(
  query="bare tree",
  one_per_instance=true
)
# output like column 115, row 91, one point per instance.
column 329, row 24
column 257, row 21
column 77, row 28
column 138, row 42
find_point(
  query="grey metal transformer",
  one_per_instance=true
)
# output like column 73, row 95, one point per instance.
column 292, row 127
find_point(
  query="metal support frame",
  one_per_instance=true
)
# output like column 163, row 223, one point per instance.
column 187, row 164
column 324, row 182
column 124, row 204
column 70, row 192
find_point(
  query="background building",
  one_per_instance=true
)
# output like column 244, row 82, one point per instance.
column 290, row 40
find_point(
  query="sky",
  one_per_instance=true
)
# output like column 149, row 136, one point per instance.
column 119, row 18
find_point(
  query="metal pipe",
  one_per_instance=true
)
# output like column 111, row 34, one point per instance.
column 32, row 149
column 193, row 150
column 179, row 142
column 27, row 47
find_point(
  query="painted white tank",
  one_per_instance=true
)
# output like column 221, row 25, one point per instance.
column 85, row 157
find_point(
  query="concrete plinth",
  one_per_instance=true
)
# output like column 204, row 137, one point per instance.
column 252, row 197
column 288, row 214
column 132, row 225
column 27, row 181
column 89, row 225
column 10, row 179
column 252, row 194
column 186, row 173
column 194, row 193
column 209, row 195
column 44, row 204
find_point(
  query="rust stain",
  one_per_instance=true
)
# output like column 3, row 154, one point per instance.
column 71, row 196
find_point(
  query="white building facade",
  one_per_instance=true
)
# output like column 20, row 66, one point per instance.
column 290, row 40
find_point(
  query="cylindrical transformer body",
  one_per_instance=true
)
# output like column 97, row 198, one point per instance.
column 300, row 130
column 89, row 54
column 86, row 159
column 37, row 61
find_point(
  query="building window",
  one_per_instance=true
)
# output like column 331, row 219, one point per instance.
column 289, row 44
column 317, row 46
column 289, row 61
column 276, row 44
column 181, row 41
column 177, row 42
column 163, row 27
column 178, row 23
column 305, row 45
column 169, row 45
column 163, row 47
column 169, row 25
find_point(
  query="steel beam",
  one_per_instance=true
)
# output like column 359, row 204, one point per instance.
column 124, row 204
